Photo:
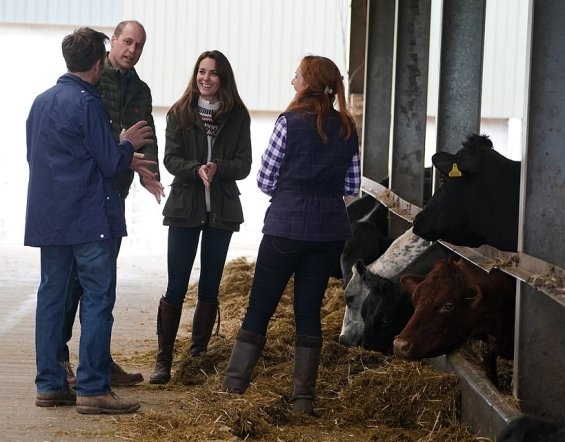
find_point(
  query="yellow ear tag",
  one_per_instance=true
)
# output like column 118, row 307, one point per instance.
column 454, row 172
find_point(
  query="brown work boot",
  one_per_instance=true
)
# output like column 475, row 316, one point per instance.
column 56, row 400
column 71, row 377
column 109, row 403
column 122, row 379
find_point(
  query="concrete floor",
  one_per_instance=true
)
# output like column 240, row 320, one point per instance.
column 141, row 282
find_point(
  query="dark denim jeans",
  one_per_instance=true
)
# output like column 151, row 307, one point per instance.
column 182, row 247
column 278, row 259
column 96, row 266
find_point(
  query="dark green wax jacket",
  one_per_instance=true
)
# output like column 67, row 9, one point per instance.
column 186, row 150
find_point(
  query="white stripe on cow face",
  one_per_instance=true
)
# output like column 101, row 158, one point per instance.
column 396, row 258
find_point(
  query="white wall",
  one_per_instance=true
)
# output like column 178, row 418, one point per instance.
column 32, row 63
column 39, row 65
column 264, row 41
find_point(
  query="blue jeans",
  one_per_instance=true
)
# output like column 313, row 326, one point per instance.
column 310, row 262
column 96, row 266
column 73, row 305
column 181, row 252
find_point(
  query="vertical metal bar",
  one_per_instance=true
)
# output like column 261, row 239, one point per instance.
column 410, row 104
column 459, row 105
column 356, row 68
column 378, row 88
column 540, row 360
column 357, row 46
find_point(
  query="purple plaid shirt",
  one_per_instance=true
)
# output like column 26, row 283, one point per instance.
column 271, row 161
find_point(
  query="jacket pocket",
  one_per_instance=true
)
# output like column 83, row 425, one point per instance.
column 231, row 205
column 180, row 203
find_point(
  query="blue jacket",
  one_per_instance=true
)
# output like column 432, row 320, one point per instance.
column 308, row 202
column 73, row 159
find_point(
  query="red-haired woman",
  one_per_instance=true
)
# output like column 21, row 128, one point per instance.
column 311, row 162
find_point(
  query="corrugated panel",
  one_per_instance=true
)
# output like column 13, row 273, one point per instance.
column 61, row 12
column 504, row 67
column 504, row 62
column 264, row 41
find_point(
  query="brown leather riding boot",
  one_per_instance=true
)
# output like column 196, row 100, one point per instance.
column 168, row 320
column 307, row 352
column 202, row 325
column 121, row 378
column 245, row 353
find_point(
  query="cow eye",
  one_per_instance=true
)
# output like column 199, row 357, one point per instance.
column 447, row 307
column 385, row 322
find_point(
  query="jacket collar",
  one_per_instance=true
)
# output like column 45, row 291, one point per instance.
column 111, row 70
column 68, row 77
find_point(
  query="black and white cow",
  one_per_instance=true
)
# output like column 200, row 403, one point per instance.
column 401, row 252
column 388, row 306
column 478, row 200
column 369, row 226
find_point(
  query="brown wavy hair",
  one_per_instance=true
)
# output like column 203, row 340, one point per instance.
column 185, row 106
column 324, row 84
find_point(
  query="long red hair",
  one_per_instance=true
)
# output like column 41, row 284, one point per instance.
column 324, row 84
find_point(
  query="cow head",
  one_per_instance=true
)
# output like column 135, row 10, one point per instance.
column 401, row 252
column 445, row 312
column 477, row 202
column 355, row 293
column 385, row 312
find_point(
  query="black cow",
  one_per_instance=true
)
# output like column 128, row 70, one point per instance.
column 388, row 306
column 369, row 226
column 478, row 201
column 528, row 428
column 368, row 241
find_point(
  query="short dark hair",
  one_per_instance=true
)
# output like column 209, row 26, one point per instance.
column 83, row 48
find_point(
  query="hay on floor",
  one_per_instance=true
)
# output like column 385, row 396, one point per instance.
column 362, row 395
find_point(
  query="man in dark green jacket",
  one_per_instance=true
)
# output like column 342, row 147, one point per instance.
column 128, row 100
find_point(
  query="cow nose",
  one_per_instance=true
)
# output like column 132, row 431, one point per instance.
column 402, row 347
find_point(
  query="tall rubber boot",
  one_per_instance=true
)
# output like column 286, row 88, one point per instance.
column 202, row 326
column 168, row 320
column 245, row 353
column 307, row 352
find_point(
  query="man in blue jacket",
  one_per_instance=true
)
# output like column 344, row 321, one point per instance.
column 75, row 215
column 128, row 100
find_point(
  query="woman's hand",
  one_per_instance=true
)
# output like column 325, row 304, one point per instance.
column 206, row 172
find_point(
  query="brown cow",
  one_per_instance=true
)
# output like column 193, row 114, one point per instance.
column 454, row 302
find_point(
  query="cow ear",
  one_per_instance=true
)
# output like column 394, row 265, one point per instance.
column 443, row 161
column 474, row 296
column 360, row 267
column 409, row 282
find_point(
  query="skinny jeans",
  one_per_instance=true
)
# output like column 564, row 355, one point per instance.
column 278, row 259
column 182, row 248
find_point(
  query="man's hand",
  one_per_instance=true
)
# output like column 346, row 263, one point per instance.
column 138, row 135
column 154, row 187
column 139, row 165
